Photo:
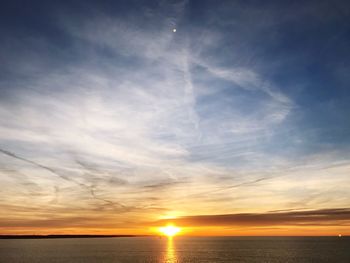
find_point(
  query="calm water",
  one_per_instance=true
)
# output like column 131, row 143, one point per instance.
column 180, row 249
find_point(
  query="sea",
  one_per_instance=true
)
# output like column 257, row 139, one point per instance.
column 177, row 249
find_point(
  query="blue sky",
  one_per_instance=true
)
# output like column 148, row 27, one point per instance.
column 104, row 108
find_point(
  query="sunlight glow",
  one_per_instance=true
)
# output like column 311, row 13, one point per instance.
column 169, row 230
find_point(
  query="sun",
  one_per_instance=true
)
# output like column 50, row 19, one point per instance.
column 169, row 230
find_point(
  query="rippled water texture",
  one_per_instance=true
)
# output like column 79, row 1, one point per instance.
column 179, row 249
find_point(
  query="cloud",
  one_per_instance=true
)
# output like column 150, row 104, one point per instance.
column 34, row 163
column 331, row 217
column 87, row 187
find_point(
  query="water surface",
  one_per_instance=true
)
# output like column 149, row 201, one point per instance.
column 179, row 249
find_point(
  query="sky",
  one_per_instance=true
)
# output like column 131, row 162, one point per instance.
column 235, row 124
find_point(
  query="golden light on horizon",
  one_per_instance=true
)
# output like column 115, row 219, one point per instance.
column 169, row 230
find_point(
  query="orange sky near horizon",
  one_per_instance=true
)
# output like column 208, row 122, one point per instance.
column 189, row 231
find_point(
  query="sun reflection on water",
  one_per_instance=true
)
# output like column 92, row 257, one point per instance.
column 170, row 256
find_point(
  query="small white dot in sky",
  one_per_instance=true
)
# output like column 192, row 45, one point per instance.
column 174, row 30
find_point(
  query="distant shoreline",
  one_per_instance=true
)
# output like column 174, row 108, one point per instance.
column 159, row 236
column 64, row 236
